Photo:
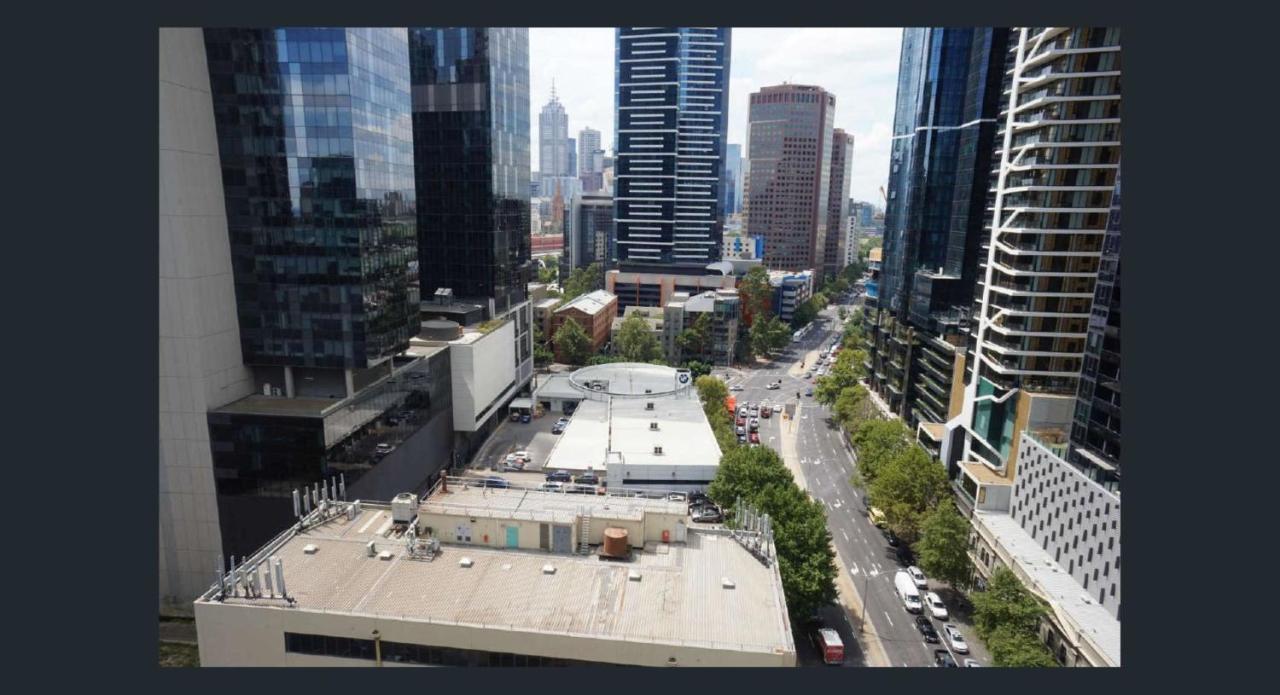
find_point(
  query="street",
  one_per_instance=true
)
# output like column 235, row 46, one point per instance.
column 827, row 464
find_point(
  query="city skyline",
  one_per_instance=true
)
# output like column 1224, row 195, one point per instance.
column 580, row 61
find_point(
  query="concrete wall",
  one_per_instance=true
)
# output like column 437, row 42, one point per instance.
column 200, row 363
column 481, row 371
column 239, row 635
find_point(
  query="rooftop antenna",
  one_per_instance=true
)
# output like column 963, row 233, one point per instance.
column 553, row 89
column 342, row 486
column 279, row 567
column 297, row 507
column 232, row 576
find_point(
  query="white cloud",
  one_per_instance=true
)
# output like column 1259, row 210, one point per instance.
column 858, row 65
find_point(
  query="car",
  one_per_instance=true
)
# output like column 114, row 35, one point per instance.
column 383, row 449
column 955, row 639
column 892, row 540
column 755, row 411
column 777, row 408
column 755, row 426
column 551, row 486
column 766, row 413
column 905, row 556
column 918, row 577
column 494, row 481
column 696, row 497
column 774, row 387
column 579, row 489
column 809, row 392
column 755, row 438
column 677, row 497
column 925, row 626
column 943, row 658
column 971, row 663
column 522, row 455
column 741, row 431
column 742, row 439
column 735, row 387
column 935, row 604
column 742, row 411
column 877, row 517
column 513, row 467
column 557, row 428
column 587, row 479
column 808, row 375
column 829, row 645
column 392, row 420
column 708, row 515
column 559, row 477
column 515, row 416
column 525, row 419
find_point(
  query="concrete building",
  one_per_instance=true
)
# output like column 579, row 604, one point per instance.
column 500, row 577
column 683, row 310
column 652, row 316
column 589, row 235
column 790, row 290
column 553, row 141
column 743, row 247
column 642, row 425
column 836, row 248
column 789, row 139
column 656, row 289
column 594, row 312
column 588, row 143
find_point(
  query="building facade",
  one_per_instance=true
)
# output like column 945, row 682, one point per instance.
column 948, row 102
column 656, row 289
column 835, row 249
column 553, row 139
column 671, row 111
column 589, row 235
column 790, row 290
column 471, row 148
column 733, row 179
column 723, row 307
column 789, row 136
column 594, row 312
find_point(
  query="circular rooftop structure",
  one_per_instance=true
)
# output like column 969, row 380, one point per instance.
column 626, row 379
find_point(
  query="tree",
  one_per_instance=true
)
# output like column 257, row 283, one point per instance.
column 877, row 441
column 845, row 373
column 907, row 488
column 1005, row 602
column 843, row 313
column 714, row 394
column 769, row 336
column 636, row 342
column 698, row 369
column 853, row 407
column 943, row 548
column 542, row 355
column 1014, row 648
column 573, row 345
column 757, row 476
column 581, row 281
column 756, row 294
column 549, row 270
column 695, row 341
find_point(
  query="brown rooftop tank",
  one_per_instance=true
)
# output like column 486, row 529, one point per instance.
column 615, row 543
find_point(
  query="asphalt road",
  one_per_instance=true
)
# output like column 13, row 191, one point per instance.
column 828, row 464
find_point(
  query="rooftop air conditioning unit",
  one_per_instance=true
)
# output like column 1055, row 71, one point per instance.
column 648, row 406
column 653, row 425
column 657, row 450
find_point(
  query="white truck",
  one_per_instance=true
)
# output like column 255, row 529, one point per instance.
column 908, row 592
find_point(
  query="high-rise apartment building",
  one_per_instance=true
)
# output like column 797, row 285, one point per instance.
column 789, row 137
column 589, row 235
column 733, row 179
column 471, row 149
column 1058, row 159
column 834, row 251
column 588, row 143
column 553, row 139
column 948, row 102
column 671, row 108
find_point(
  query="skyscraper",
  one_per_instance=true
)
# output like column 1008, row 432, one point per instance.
column 670, row 119
column 838, row 203
column 789, row 136
column 572, row 149
column 733, row 179
column 1058, row 155
column 947, row 105
column 471, row 146
column 553, row 138
column 587, row 143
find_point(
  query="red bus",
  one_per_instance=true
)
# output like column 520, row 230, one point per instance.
column 831, row 646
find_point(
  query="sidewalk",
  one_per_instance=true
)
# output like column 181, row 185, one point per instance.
column 810, row 359
column 847, row 594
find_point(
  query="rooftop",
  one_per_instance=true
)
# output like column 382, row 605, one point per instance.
column 635, row 379
column 257, row 404
column 590, row 303
column 983, row 473
column 514, row 503
column 623, row 426
column 557, row 386
column 679, row 598
column 1051, row 582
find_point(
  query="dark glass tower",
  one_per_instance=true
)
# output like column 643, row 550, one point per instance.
column 671, row 113
column 317, row 165
column 471, row 152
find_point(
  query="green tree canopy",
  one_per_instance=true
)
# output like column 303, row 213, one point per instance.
column 635, row 342
column 1014, row 648
column 713, row 393
column 756, row 294
column 845, row 373
column 943, row 548
column 695, row 341
column 1005, row 602
column 542, row 355
column 907, row 488
column 581, row 281
column 573, row 345
column 877, row 441
column 698, row 369
column 769, row 336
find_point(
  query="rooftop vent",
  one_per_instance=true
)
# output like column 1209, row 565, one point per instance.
column 633, row 575
column 648, row 406
column 648, row 390
column 385, row 555
column 548, row 569
column 653, row 425
column 370, row 549
column 466, row 562
column 657, row 450
column 727, row 583
column 310, row 549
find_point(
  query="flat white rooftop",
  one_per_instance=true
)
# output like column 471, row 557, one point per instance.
column 624, row 426
column 1071, row 601
column 679, row 599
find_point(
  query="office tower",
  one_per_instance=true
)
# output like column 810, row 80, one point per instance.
column 732, row 179
column 948, row 102
column 589, row 235
column 315, row 145
column 588, row 143
column 789, row 136
column 572, row 149
column 671, row 115
column 471, row 148
column 838, row 203
column 1095, row 433
column 553, row 138
column 1058, row 156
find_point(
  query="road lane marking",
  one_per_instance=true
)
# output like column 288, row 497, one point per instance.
column 886, row 617
column 846, row 536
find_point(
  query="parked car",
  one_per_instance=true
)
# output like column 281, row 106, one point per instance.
column 808, row 375
column 925, row 626
column 696, row 497
column 677, row 497
column 578, row 489
column 918, row 577
column 755, row 437
column 525, row 418
column 755, row 411
column 774, row 386
column 955, row 639
column 710, row 514
column 742, row 422
column 513, row 467
column 935, row 604
column 755, row 426
column 551, row 486
column 942, row 657
column 522, row 455
column 557, row 428
column 494, row 481
column 777, row 408
column 559, row 477
column 905, row 556
column 741, row 431
column 829, row 645
column 383, row 449
column 809, row 392
column 515, row 416
column 971, row 663
column 735, row 387
column 742, row 438
column 766, row 413
column 587, row 478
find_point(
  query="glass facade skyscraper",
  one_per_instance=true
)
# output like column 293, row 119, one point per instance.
column 316, row 147
column 671, row 111
column 471, row 151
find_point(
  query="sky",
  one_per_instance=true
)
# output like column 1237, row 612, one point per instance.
column 859, row 66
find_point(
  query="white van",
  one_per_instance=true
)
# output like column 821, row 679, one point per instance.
column 908, row 592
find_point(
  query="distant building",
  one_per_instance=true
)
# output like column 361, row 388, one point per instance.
column 553, row 139
column 683, row 310
column 732, row 179
column 841, row 171
column 745, row 247
column 589, row 235
column 572, row 148
column 656, row 289
column 790, row 290
column 594, row 312
column 652, row 317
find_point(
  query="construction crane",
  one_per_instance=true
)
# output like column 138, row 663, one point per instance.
column 886, row 198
